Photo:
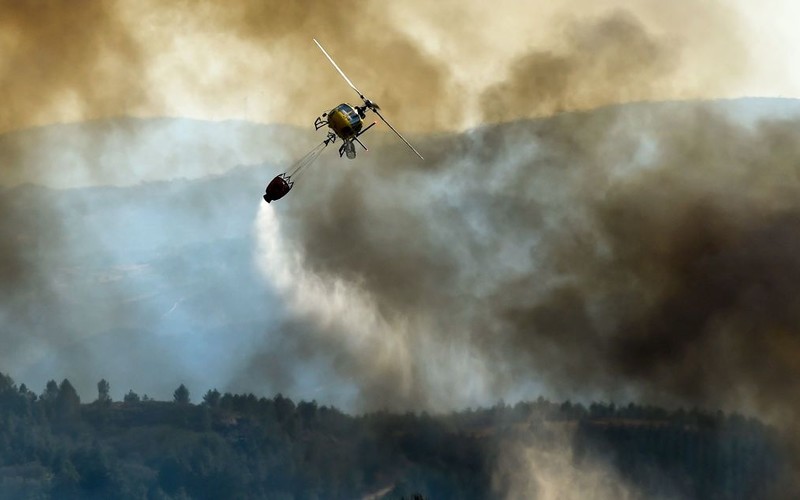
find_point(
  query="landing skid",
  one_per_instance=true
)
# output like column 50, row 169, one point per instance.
column 319, row 122
column 348, row 148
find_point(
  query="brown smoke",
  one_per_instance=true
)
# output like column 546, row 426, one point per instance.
column 65, row 59
column 680, row 276
column 380, row 60
column 613, row 60
column 642, row 251
column 66, row 62
column 59, row 62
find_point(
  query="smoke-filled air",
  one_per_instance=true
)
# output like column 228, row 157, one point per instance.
column 608, row 210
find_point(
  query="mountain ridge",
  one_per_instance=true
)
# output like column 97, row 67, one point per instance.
column 196, row 148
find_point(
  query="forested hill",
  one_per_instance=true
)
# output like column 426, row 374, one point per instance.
column 239, row 446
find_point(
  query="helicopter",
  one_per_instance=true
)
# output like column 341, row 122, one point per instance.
column 345, row 122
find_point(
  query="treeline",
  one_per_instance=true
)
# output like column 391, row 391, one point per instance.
column 242, row 446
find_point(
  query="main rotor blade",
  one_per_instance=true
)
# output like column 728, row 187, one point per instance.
column 340, row 70
column 396, row 132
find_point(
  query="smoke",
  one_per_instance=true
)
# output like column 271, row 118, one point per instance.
column 374, row 348
column 21, row 268
column 50, row 65
column 499, row 234
column 255, row 60
column 58, row 62
column 618, row 53
column 546, row 468
column 643, row 251
column 430, row 76
column 610, row 60
column 269, row 52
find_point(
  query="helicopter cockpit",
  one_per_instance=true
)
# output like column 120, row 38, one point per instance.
column 344, row 119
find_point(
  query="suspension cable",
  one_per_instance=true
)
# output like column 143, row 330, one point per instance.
column 307, row 160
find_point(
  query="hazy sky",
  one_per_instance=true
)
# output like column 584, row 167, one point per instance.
column 426, row 62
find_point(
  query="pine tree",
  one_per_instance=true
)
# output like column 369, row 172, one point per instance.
column 68, row 404
column 103, row 388
column 181, row 395
column 211, row 398
column 131, row 397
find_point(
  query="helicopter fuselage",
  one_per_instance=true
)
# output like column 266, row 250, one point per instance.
column 345, row 121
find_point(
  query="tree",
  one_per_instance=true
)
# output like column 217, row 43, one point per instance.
column 103, row 387
column 212, row 398
column 6, row 383
column 131, row 397
column 68, row 403
column 29, row 395
column 308, row 412
column 66, row 479
column 284, row 407
column 94, row 471
column 181, row 394
column 50, row 393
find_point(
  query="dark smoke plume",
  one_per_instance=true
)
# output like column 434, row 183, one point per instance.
column 642, row 251
column 645, row 252
column 613, row 60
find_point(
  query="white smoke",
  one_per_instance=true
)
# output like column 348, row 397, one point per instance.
column 381, row 348
column 548, row 469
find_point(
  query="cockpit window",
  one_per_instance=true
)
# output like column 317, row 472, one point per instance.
column 348, row 110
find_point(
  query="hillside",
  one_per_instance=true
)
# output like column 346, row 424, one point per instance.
column 243, row 446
